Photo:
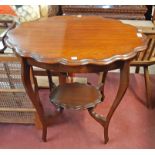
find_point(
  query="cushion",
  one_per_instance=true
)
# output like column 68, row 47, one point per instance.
column 7, row 13
column 7, row 10
column 27, row 12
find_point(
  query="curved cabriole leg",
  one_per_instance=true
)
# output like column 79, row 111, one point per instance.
column 124, row 81
column 25, row 73
column 102, row 120
column 123, row 85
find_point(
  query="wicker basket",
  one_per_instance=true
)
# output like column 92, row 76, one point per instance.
column 15, row 105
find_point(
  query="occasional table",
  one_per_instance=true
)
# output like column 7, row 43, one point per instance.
column 76, row 44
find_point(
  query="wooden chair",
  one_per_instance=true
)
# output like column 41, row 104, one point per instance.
column 145, row 59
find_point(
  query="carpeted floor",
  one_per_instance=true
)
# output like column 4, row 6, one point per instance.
column 132, row 126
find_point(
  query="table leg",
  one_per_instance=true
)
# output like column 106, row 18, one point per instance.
column 50, row 81
column 62, row 78
column 102, row 78
column 123, row 85
column 25, row 73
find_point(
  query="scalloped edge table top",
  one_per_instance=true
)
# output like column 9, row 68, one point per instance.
column 75, row 40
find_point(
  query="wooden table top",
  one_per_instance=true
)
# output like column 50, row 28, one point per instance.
column 74, row 40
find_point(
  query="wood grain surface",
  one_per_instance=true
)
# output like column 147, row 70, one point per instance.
column 75, row 40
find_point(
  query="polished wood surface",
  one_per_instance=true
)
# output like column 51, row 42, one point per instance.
column 75, row 40
column 75, row 96
column 75, row 44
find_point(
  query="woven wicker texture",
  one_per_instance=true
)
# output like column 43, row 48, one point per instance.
column 15, row 106
column 10, row 75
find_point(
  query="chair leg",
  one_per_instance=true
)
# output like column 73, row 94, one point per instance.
column 71, row 77
column 50, row 81
column 147, row 85
column 137, row 69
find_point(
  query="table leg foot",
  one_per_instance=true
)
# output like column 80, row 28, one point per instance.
column 106, row 137
column 44, row 134
column 102, row 120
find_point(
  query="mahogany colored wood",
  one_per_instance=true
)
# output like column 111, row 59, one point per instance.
column 75, row 96
column 74, row 40
column 76, row 44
